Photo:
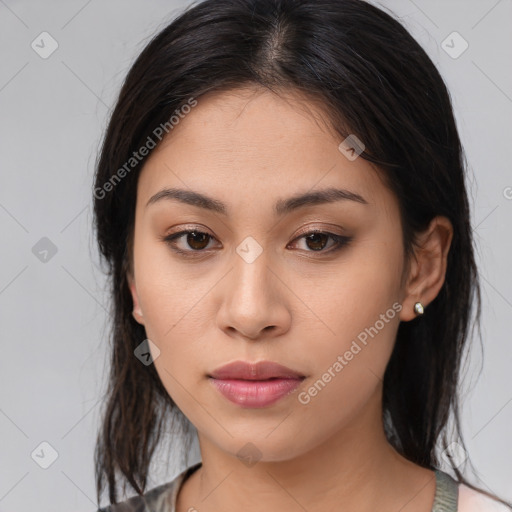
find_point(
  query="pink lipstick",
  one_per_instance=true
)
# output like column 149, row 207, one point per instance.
column 255, row 385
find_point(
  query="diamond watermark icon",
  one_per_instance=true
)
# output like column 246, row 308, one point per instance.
column 351, row 147
column 146, row 352
column 249, row 454
column 44, row 45
column 454, row 45
column 454, row 454
column 249, row 249
column 44, row 250
column 44, row 455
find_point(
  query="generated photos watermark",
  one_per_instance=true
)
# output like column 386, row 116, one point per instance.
column 304, row 397
column 159, row 132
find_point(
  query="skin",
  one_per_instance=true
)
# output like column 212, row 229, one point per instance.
column 297, row 304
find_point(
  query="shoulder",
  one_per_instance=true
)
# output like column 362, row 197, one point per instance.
column 157, row 499
column 475, row 501
column 154, row 499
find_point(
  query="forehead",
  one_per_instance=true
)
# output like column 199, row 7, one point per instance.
column 252, row 143
column 249, row 120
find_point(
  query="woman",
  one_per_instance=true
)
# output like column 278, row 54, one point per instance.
column 280, row 198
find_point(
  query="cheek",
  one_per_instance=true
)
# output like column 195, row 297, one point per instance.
column 349, row 368
column 360, row 291
column 174, row 305
column 164, row 293
column 359, row 310
column 174, row 315
column 174, row 323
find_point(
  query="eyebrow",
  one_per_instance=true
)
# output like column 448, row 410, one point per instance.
column 281, row 207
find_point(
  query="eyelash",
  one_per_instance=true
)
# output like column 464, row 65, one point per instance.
column 340, row 241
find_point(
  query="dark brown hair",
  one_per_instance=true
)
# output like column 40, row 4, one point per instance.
column 375, row 81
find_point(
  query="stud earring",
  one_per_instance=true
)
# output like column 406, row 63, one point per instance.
column 418, row 308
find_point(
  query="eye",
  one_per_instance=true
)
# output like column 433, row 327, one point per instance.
column 198, row 241
column 316, row 240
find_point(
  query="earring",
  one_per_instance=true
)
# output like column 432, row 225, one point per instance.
column 418, row 308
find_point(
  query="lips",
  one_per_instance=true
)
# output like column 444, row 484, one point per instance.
column 262, row 370
column 255, row 385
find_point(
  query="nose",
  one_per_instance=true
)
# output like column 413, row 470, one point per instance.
column 253, row 302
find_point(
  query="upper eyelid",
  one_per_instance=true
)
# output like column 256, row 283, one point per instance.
column 303, row 230
column 306, row 231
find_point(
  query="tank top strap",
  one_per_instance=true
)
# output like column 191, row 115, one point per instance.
column 447, row 493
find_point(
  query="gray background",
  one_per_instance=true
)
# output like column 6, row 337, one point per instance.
column 53, row 312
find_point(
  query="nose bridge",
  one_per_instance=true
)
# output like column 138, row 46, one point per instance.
column 251, row 272
column 250, row 302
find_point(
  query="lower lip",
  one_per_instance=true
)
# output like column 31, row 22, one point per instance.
column 256, row 393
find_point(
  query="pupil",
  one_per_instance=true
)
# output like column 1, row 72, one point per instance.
column 200, row 235
column 311, row 238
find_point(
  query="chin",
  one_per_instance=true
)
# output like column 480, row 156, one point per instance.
column 258, row 448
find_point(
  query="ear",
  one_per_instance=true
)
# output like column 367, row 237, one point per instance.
column 428, row 266
column 137, row 312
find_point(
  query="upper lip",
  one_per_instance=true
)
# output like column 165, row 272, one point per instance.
column 261, row 370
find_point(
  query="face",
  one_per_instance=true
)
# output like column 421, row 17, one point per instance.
column 252, row 283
